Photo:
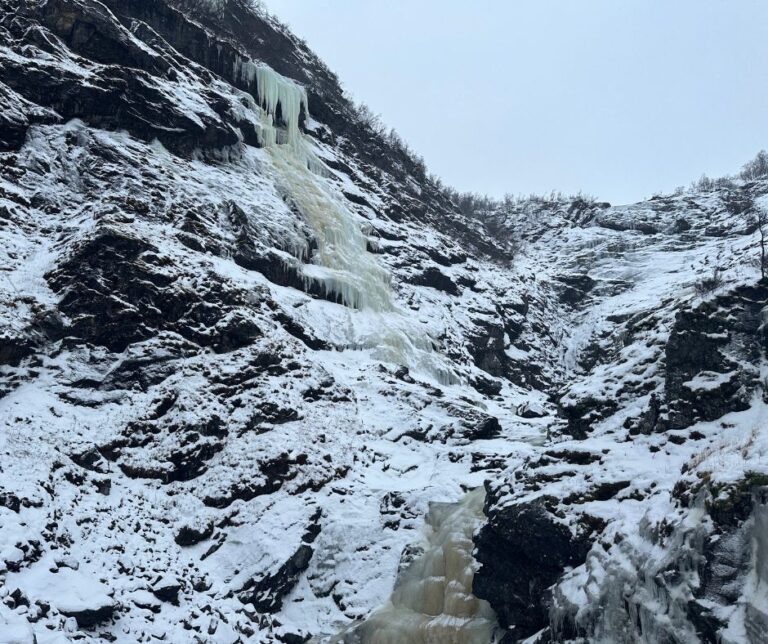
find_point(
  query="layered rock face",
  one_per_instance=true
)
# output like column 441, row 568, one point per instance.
column 246, row 342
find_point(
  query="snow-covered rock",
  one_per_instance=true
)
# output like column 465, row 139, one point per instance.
column 247, row 341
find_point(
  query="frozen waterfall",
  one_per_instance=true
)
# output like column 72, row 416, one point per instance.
column 432, row 602
column 275, row 91
column 341, row 266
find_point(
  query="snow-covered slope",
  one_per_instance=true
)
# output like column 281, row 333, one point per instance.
column 246, row 342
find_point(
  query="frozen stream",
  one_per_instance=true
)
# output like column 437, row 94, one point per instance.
column 432, row 602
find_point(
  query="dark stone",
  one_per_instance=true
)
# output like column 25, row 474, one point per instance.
column 268, row 592
column 583, row 413
column 713, row 340
column 11, row 501
column 90, row 459
column 601, row 492
column 234, row 332
column 574, row 288
column 573, row 457
column 14, row 349
column 167, row 590
column 403, row 373
column 89, row 617
column 486, row 386
column 189, row 536
column 527, row 410
column 16, row 115
column 485, row 429
column 276, row 471
column 523, row 549
column 293, row 638
column 300, row 332
column 118, row 290
column 486, row 345
column 435, row 278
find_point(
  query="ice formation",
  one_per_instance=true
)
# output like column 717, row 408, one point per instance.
column 273, row 91
column 432, row 600
column 641, row 592
column 342, row 266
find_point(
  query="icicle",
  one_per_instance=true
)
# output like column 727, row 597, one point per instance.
column 274, row 90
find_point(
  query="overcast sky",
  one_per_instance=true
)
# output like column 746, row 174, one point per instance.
column 618, row 98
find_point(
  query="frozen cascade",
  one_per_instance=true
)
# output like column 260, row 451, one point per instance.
column 642, row 592
column 432, row 602
column 273, row 91
column 626, row 598
column 756, row 591
column 342, row 266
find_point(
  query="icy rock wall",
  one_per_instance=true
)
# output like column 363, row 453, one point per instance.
column 343, row 267
column 662, row 585
column 432, row 601
column 756, row 606
column 639, row 592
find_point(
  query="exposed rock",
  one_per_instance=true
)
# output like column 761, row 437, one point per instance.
column 189, row 535
column 167, row 589
column 531, row 410
column 435, row 278
column 267, row 593
column 523, row 550
column 706, row 357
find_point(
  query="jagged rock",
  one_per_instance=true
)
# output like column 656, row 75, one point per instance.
column 485, row 429
column 15, row 349
column 574, row 288
column 582, row 414
column 167, row 589
column 705, row 359
column 268, row 592
column 486, row 386
column 162, row 329
column 11, row 501
column 523, row 550
column 486, row 345
column 145, row 599
column 90, row 459
column 189, row 535
column 435, row 278
column 531, row 410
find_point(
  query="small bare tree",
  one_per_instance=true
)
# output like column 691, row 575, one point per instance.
column 756, row 217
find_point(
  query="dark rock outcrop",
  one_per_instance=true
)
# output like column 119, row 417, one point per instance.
column 523, row 549
column 89, row 617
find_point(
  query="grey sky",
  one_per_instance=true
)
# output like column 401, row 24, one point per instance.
column 619, row 98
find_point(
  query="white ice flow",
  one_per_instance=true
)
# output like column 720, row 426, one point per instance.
column 433, row 601
column 342, row 265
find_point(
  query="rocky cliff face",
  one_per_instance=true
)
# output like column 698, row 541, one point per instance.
column 613, row 532
column 205, row 437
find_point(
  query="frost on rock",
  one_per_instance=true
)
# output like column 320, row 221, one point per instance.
column 199, row 440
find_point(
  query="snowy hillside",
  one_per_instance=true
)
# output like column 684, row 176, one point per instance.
column 256, row 368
